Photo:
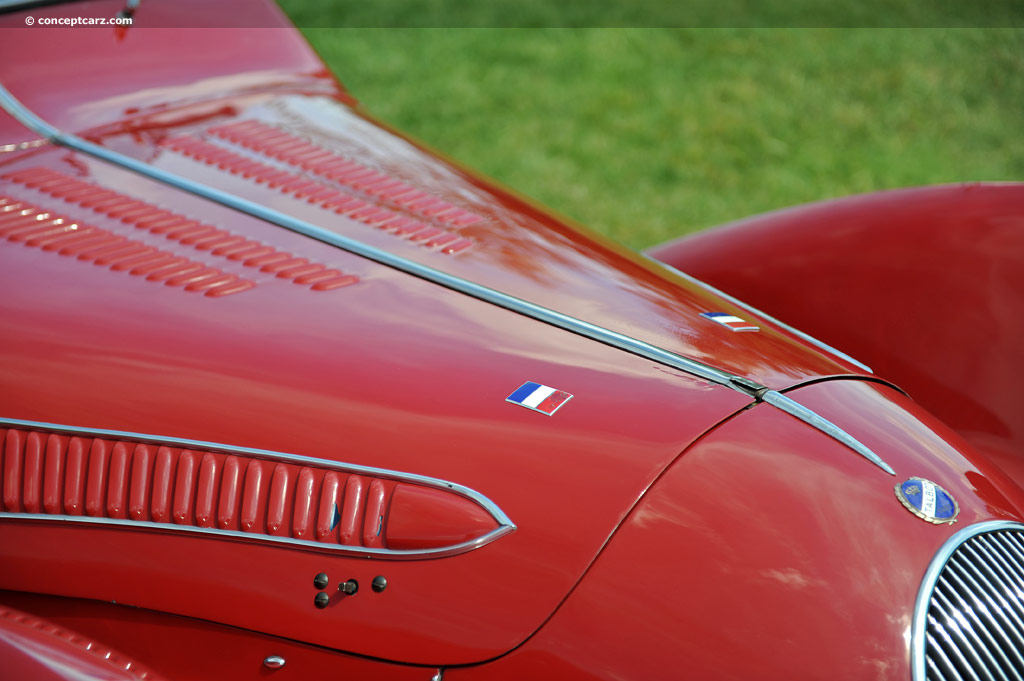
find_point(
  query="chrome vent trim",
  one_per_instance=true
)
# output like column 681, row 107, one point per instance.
column 504, row 524
column 969, row 616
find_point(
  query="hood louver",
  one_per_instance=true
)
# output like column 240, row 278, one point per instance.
column 239, row 493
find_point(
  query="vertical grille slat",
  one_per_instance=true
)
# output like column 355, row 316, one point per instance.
column 1014, row 548
column 1016, row 541
column 1009, row 575
column 996, row 594
column 969, row 624
column 1011, row 562
column 967, row 628
column 933, row 670
column 992, row 608
column 960, row 630
column 943, row 659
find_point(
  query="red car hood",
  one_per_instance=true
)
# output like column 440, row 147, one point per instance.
column 229, row 104
column 384, row 370
column 331, row 355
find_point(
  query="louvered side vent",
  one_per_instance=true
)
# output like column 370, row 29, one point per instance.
column 22, row 222
column 319, row 194
column 973, row 624
column 173, row 227
column 236, row 494
column 296, row 151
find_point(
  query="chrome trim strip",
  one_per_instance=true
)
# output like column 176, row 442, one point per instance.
column 484, row 293
column 355, row 551
column 809, row 417
column 25, row 116
column 918, row 637
column 505, row 524
column 747, row 306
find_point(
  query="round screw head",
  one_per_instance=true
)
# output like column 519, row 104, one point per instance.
column 321, row 600
column 321, row 581
column 350, row 587
column 380, row 583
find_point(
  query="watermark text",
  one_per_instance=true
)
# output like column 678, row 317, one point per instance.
column 78, row 21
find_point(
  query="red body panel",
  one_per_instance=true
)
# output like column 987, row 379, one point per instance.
column 663, row 523
column 763, row 538
column 333, row 374
column 517, row 248
column 924, row 285
column 189, row 649
column 33, row 648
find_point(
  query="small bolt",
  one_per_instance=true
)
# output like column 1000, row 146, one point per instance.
column 321, row 600
column 380, row 583
column 274, row 662
column 321, row 581
column 350, row 587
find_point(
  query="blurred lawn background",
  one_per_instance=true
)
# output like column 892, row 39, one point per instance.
column 645, row 134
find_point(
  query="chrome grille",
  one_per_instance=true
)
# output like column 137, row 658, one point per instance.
column 969, row 623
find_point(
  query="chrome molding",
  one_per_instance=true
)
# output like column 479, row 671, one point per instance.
column 478, row 291
column 23, row 115
column 355, row 551
column 780, row 401
column 750, row 308
column 505, row 524
column 919, row 638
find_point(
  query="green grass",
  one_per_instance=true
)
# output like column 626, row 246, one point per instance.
column 648, row 134
column 647, row 13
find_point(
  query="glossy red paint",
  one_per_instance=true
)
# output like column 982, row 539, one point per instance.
column 365, row 374
column 278, row 143
column 663, row 523
column 325, row 196
column 24, row 222
column 165, row 222
column 189, row 649
column 768, row 537
column 513, row 248
column 37, row 649
column 80, row 77
column 924, row 285
column 508, row 244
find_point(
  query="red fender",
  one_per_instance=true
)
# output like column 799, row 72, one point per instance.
column 923, row 285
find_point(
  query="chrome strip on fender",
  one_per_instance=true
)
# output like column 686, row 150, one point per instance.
column 478, row 291
column 747, row 306
column 505, row 525
column 780, row 401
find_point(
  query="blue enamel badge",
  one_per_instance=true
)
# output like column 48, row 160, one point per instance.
column 928, row 501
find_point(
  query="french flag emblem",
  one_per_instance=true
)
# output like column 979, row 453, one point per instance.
column 730, row 321
column 539, row 397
